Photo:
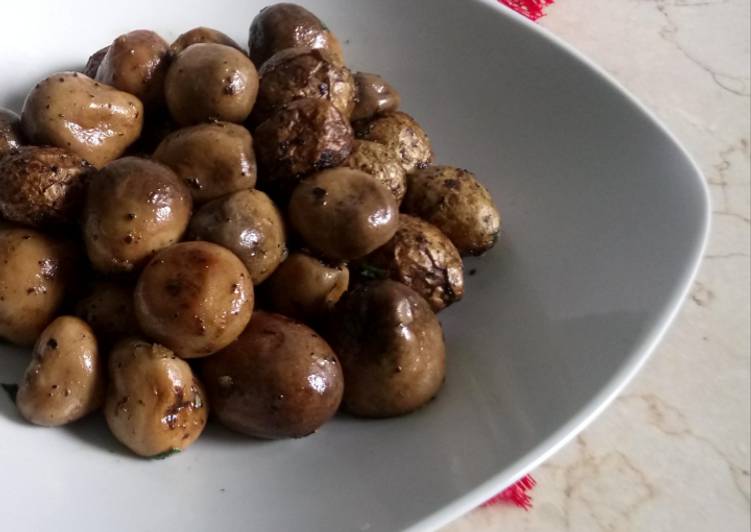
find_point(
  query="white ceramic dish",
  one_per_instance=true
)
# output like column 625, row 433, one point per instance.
column 605, row 219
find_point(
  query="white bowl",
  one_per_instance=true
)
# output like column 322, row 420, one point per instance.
column 605, row 219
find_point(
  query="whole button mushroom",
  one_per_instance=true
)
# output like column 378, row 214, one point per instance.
column 65, row 378
column 195, row 298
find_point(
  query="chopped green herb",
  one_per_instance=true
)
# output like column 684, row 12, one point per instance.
column 165, row 454
column 372, row 272
column 11, row 390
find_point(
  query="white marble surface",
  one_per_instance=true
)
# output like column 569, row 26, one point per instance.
column 672, row 453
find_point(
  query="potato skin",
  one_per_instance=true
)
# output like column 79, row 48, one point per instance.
column 72, row 111
column 11, row 137
column 42, row 186
column 154, row 402
column 213, row 159
column 456, row 203
column 285, row 25
column 199, row 35
column 343, row 213
column 65, row 379
column 376, row 159
column 108, row 308
column 402, row 136
column 278, row 380
column 374, row 95
column 391, row 348
column 134, row 207
column 305, row 288
column 296, row 73
column 195, row 298
column 210, row 81
column 136, row 62
column 247, row 223
column 34, row 273
column 423, row 258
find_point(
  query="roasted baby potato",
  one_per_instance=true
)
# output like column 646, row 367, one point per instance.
column 108, row 308
column 281, row 26
column 34, row 272
column 376, row 159
column 304, row 136
column 210, row 81
column 248, row 224
column 456, row 203
column 134, row 207
column 374, row 96
column 154, row 402
column 72, row 111
column 66, row 376
column 391, row 348
column 213, row 159
column 297, row 73
column 136, row 62
column 403, row 137
column 42, row 186
column 343, row 213
column 200, row 35
column 11, row 137
column 305, row 288
column 195, row 298
column 423, row 258
column 278, row 380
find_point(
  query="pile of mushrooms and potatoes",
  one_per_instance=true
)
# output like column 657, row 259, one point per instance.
column 263, row 236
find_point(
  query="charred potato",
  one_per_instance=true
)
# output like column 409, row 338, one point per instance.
column 34, row 272
column 391, row 348
column 210, row 81
column 72, row 111
column 305, row 288
column 285, row 25
column 108, row 309
column 374, row 96
column 343, row 213
column 213, row 159
column 66, row 376
column 248, row 224
column 376, row 159
column 154, row 403
column 456, row 203
column 195, row 298
column 403, row 137
column 136, row 62
column 10, row 131
column 423, row 258
column 42, row 186
column 278, row 380
column 297, row 73
column 202, row 35
column 134, row 207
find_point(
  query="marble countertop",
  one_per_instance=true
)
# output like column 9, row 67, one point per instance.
column 672, row 452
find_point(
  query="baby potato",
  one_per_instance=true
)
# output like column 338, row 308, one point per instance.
column 297, row 73
column 402, row 136
column 304, row 136
column 248, row 224
column 34, row 272
column 210, row 81
column 376, row 159
column 42, row 186
column 154, row 402
column 72, row 111
column 456, row 203
column 281, row 26
column 202, row 35
column 278, row 380
column 108, row 308
column 195, row 298
column 374, row 96
column 391, row 348
column 305, row 288
column 134, row 207
column 343, row 213
column 423, row 258
column 65, row 378
column 10, row 131
column 213, row 159
column 136, row 62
